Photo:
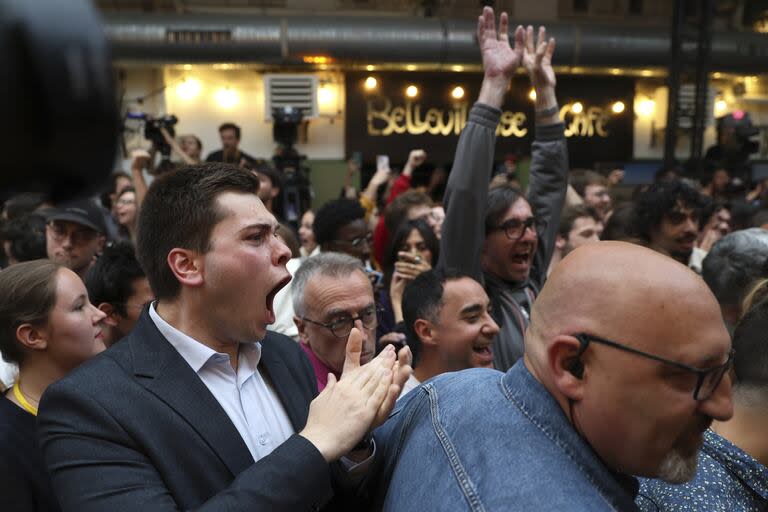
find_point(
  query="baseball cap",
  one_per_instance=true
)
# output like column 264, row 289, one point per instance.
column 82, row 211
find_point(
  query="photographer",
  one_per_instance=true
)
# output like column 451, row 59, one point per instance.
column 230, row 152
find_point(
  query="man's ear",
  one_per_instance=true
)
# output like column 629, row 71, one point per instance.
column 112, row 314
column 425, row 331
column 559, row 243
column 273, row 193
column 567, row 366
column 34, row 338
column 301, row 325
column 187, row 266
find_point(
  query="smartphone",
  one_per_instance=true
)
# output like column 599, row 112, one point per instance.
column 382, row 162
column 357, row 157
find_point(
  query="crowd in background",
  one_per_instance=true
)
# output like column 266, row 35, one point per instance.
column 454, row 271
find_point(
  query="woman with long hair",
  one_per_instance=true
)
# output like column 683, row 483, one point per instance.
column 414, row 249
column 47, row 327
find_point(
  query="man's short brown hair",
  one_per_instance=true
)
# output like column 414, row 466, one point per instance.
column 581, row 178
column 180, row 210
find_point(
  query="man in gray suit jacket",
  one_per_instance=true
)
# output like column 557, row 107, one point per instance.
column 199, row 407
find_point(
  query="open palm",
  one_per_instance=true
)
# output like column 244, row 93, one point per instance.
column 499, row 59
column 537, row 59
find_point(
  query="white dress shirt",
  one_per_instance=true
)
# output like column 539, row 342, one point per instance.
column 249, row 400
column 410, row 384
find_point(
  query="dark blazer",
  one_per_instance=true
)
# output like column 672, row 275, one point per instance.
column 135, row 428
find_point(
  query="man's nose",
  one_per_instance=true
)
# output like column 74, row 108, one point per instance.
column 720, row 405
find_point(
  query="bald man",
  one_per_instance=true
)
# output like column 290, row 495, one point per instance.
column 625, row 367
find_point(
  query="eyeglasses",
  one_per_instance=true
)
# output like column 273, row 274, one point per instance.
column 368, row 238
column 707, row 379
column 515, row 228
column 343, row 326
column 77, row 236
column 125, row 202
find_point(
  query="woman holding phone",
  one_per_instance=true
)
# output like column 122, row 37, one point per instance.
column 414, row 249
column 47, row 327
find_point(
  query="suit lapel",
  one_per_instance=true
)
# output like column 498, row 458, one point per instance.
column 164, row 373
column 293, row 399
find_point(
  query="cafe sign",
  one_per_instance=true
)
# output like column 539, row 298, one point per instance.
column 387, row 121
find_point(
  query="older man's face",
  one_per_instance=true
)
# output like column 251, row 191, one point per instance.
column 336, row 301
column 639, row 414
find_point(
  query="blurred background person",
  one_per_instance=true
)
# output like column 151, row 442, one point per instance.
column 118, row 286
column 47, row 327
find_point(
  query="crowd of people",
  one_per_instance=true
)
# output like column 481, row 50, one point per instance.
column 461, row 345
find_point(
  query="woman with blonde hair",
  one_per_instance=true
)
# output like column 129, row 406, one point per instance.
column 47, row 327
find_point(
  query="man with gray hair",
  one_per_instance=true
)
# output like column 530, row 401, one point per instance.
column 732, row 267
column 331, row 294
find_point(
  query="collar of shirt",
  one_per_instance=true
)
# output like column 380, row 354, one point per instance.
column 197, row 355
column 319, row 367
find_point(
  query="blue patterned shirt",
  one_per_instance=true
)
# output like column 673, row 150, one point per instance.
column 728, row 479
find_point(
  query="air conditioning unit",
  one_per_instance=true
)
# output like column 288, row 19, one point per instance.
column 297, row 91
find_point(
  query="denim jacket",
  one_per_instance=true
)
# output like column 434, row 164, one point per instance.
column 483, row 440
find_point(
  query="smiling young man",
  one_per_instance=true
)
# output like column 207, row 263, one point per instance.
column 448, row 325
column 498, row 237
column 200, row 407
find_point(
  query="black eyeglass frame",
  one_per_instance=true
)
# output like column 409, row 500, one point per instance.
column 356, row 242
column 532, row 222
column 701, row 373
column 330, row 325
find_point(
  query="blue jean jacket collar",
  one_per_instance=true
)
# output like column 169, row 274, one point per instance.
column 538, row 405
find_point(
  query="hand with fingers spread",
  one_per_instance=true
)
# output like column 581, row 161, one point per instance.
column 537, row 59
column 500, row 60
column 343, row 413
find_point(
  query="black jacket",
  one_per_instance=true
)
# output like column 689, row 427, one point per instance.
column 136, row 429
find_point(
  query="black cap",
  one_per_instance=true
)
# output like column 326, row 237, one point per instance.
column 83, row 211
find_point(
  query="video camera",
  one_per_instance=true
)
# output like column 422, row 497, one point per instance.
column 295, row 194
column 152, row 127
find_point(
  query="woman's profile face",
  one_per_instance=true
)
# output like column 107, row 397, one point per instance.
column 73, row 331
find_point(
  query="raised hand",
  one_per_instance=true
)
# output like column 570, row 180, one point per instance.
column 499, row 59
column 537, row 59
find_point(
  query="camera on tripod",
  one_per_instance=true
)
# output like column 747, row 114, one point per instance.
column 295, row 194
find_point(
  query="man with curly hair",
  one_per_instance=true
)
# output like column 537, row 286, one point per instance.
column 667, row 218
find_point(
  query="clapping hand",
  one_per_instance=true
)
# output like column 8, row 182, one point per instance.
column 358, row 402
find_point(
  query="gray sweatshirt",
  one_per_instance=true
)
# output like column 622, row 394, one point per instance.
column 463, row 230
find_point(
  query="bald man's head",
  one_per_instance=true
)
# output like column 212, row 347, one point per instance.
column 638, row 413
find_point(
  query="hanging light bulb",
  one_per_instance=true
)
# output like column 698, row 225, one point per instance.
column 577, row 108
column 457, row 92
column 411, row 91
column 227, row 98
column 371, row 83
column 188, row 89
column 618, row 107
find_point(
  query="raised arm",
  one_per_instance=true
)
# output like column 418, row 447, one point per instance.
column 549, row 162
column 466, row 193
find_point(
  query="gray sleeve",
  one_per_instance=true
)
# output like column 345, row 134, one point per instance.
column 547, row 189
column 466, row 193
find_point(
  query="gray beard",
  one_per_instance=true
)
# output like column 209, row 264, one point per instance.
column 677, row 468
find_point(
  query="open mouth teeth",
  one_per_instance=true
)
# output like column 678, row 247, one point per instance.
column 486, row 350
column 521, row 257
